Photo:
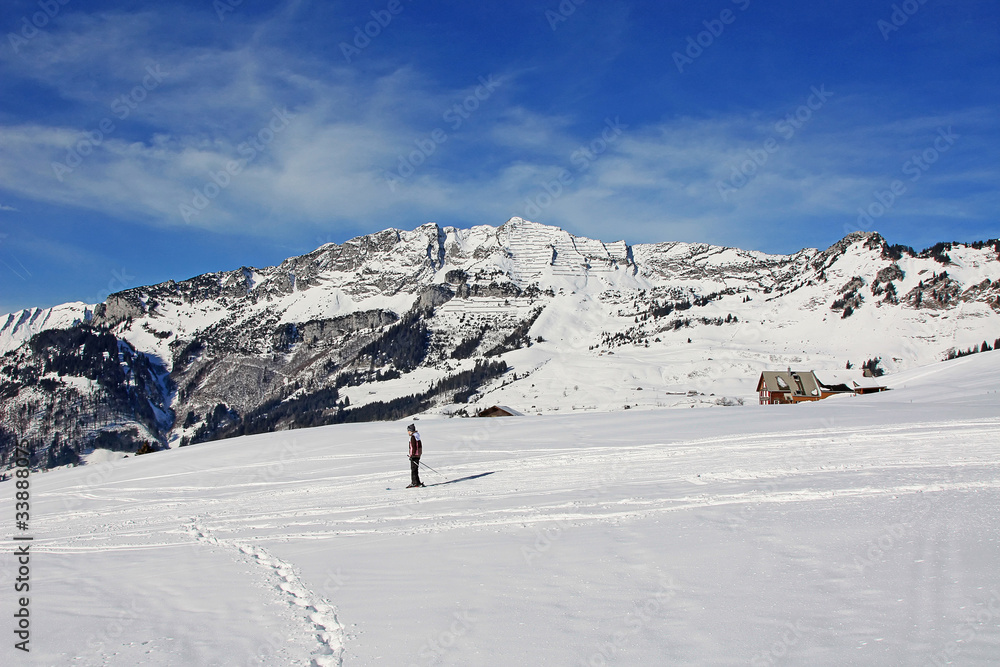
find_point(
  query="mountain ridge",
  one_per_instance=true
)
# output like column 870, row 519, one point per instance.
column 444, row 319
column 17, row 327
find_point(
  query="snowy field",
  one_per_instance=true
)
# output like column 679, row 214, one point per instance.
column 854, row 531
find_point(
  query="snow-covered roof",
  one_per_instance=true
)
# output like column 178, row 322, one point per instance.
column 850, row 379
column 509, row 410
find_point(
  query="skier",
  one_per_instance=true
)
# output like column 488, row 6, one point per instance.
column 416, row 449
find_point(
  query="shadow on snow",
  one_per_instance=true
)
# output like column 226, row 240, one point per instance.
column 462, row 479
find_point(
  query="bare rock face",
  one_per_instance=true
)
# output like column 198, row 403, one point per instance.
column 434, row 296
column 890, row 274
column 987, row 291
column 327, row 331
column 936, row 293
column 118, row 308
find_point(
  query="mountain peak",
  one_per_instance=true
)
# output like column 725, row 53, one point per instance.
column 427, row 319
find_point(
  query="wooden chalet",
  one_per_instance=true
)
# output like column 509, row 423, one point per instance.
column 790, row 386
column 499, row 411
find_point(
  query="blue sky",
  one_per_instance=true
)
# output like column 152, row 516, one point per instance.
column 141, row 141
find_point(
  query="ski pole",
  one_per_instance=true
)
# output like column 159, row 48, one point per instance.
column 431, row 469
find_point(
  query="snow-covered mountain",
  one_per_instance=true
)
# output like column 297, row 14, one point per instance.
column 447, row 320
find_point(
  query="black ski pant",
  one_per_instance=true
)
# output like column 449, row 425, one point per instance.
column 414, row 470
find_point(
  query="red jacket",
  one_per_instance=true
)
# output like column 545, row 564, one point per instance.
column 416, row 447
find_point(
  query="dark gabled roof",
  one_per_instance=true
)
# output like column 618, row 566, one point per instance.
column 793, row 382
column 501, row 408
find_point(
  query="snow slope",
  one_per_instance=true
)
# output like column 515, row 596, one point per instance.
column 16, row 328
column 852, row 531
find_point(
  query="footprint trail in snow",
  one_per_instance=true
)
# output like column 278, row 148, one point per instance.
column 318, row 611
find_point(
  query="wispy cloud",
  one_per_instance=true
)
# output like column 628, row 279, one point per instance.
column 346, row 131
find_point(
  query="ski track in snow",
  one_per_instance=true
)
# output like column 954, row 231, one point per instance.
column 657, row 473
column 321, row 614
